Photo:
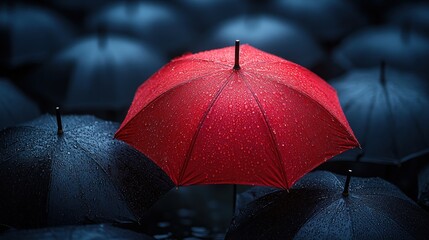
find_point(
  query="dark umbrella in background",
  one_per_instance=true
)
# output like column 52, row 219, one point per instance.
column 411, row 15
column 30, row 34
column 208, row 13
column 387, row 110
column 271, row 34
column 98, row 73
column 15, row 107
column 399, row 47
column 323, row 205
column 327, row 20
column 93, row 232
column 74, row 174
column 155, row 23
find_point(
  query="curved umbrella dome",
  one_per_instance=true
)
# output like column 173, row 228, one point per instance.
column 388, row 116
column 79, row 176
column 267, row 122
column 367, row 48
column 97, row 72
column 31, row 34
column 317, row 208
column 154, row 23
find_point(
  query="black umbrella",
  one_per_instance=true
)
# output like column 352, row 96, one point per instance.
column 96, row 73
column 93, row 232
column 152, row 22
column 205, row 14
column 328, row 20
column 401, row 48
column 270, row 34
column 15, row 107
column 387, row 110
column 321, row 206
column 29, row 34
column 76, row 174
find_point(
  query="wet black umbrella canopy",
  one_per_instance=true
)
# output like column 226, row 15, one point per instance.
column 321, row 206
column 76, row 173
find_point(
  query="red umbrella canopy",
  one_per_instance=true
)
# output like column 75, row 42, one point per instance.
column 223, row 117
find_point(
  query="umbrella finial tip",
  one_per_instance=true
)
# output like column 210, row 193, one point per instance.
column 59, row 122
column 347, row 184
column 237, row 55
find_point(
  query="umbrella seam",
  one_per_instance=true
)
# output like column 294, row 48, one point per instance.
column 312, row 100
column 270, row 130
column 388, row 216
column 162, row 95
column 200, row 124
column 316, row 211
column 108, row 177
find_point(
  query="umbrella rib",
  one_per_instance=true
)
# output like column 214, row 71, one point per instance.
column 387, row 216
column 124, row 199
column 200, row 124
column 270, row 130
column 368, row 123
column 165, row 92
column 305, row 95
column 392, row 122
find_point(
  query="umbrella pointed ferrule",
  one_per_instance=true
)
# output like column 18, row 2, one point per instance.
column 347, row 184
column 237, row 55
column 59, row 123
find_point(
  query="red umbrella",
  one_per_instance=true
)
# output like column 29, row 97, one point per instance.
column 259, row 121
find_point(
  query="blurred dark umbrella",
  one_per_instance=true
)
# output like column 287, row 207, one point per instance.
column 400, row 47
column 414, row 15
column 73, row 175
column 423, row 187
column 89, row 232
column 205, row 14
column 155, row 23
column 321, row 206
column 387, row 110
column 30, row 34
column 270, row 34
column 328, row 20
column 15, row 107
column 96, row 73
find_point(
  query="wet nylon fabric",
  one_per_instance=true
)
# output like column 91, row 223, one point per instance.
column 316, row 209
column 266, row 124
column 390, row 120
column 81, row 176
